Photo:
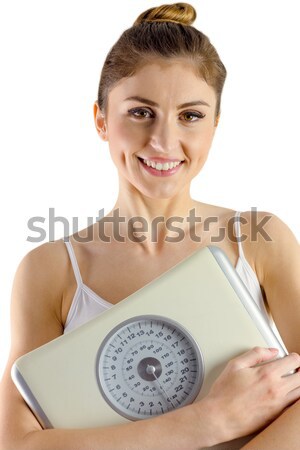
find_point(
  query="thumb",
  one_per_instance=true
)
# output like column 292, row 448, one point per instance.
column 255, row 356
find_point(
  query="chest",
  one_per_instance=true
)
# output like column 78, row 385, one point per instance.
column 115, row 273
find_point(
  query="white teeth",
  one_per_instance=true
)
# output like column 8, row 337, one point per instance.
column 160, row 166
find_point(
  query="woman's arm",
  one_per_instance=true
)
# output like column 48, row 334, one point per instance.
column 282, row 434
column 173, row 431
column 278, row 265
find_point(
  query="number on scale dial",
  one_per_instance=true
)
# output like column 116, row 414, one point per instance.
column 149, row 365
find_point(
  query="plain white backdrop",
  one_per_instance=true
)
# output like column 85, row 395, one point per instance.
column 51, row 157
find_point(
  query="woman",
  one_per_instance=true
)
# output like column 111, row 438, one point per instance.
column 158, row 108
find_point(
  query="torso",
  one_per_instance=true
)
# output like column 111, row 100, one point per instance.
column 116, row 270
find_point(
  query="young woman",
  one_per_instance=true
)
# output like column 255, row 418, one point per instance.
column 158, row 108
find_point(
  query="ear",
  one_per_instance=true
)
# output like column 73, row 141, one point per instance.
column 217, row 120
column 100, row 123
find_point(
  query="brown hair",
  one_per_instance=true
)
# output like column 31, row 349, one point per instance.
column 162, row 32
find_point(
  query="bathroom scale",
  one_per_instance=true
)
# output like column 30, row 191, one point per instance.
column 159, row 349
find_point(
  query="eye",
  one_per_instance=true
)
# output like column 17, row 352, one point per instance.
column 192, row 116
column 141, row 113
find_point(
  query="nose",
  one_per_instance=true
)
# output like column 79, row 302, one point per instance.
column 165, row 137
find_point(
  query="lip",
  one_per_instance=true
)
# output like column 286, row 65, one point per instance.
column 158, row 159
column 161, row 173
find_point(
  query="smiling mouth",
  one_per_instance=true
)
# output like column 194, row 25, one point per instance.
column 160, row 166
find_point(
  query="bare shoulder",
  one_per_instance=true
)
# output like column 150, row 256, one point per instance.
column 209, row 214
column 269, row 241
column 264, row 237
column 213, row 210
column 278, row 249
column 256, row 230
column 45, row 254
column 43, row 267
column 37, row 295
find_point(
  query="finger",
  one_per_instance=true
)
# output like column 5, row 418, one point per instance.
column 293, row 396
column 294, row 363
column 285, row 366
column 254, row 356
column 292, row 381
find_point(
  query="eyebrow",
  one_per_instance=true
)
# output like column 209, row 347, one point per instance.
column 152, row 103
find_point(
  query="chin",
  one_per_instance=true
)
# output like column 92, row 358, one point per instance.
column 163, row 192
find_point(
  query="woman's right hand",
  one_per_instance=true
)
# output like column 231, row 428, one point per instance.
column 246, row 397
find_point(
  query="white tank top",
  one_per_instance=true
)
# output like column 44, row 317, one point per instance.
column 86, row 304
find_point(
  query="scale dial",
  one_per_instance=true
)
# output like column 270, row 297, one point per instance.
column 149, row 365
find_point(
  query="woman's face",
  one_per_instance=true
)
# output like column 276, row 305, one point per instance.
column 159, row 124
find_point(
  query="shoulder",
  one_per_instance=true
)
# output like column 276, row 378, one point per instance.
column 44, row 263
column 272, row 242
column 38, row 289
column 210, row 214
column 266, row 239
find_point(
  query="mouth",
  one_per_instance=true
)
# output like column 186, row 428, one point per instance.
column 161, row 167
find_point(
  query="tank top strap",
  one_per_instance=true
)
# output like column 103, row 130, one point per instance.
column 74, row 262
column 237, row 229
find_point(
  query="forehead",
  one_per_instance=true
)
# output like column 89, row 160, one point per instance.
column 165, row 82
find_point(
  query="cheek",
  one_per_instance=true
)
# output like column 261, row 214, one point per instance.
column 124, row 140
column 201, row 143
column 208, row 140
column 124, row 135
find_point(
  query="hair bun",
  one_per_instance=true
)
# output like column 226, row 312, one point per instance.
column 182, row 13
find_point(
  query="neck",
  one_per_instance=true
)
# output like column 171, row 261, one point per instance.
column 150, row 222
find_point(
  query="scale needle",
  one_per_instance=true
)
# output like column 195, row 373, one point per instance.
column 151, row 370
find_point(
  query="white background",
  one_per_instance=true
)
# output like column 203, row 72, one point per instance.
column 51, row 157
